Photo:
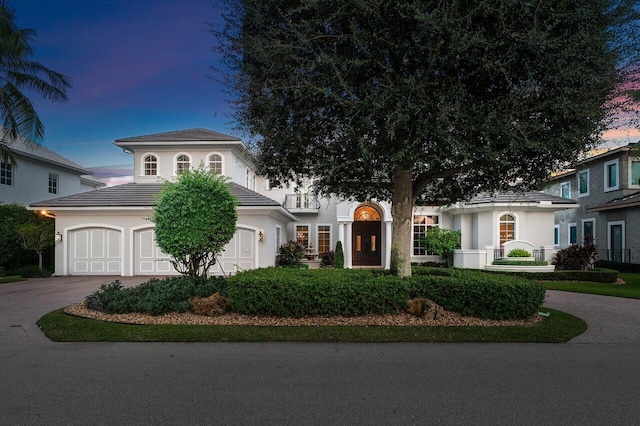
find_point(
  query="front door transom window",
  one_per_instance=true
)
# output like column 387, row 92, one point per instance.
column 366, row 214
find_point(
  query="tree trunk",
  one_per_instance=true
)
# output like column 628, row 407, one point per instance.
column 402, row 211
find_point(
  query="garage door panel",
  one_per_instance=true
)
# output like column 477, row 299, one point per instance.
column 95, row 251
column 149, row 258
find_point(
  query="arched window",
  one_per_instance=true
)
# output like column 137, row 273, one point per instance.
column 150, row 165
column 183, row 163
column 215, row 164
column 507, row 228
column 366, row 214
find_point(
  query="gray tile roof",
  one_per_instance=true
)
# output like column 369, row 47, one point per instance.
column 631, row 200
column 514, row 197
column 22, row 148
column 189, row 135
column 142, row 195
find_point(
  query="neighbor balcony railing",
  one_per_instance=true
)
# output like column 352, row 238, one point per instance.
column 499, row 254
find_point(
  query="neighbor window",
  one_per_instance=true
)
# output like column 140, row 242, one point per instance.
column 183, row 163
column 53, row 183
column 588, row 228
column 583, row 183
column 611, row 175
column 634, row 172
column 565, row 190
column 215, row 164
column 573, row 233
column 302, row 235
column 556, row 235
column 6, row 173
column 324, row 238
column 150, row 165
column 507, row 228
column 421, row 224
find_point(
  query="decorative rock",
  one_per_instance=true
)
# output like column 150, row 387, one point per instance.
column 93, row 302
column 211, row 306
column 424, row 308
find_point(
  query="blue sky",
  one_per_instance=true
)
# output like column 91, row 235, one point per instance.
column 137, row 67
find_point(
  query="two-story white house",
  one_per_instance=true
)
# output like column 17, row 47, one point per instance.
column 108, row 231
column 38, row 173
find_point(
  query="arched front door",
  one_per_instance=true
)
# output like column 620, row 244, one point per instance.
column 366, row 232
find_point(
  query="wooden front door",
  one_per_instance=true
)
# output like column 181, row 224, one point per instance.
column 366, row 245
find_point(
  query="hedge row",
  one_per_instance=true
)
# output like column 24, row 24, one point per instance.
column 284, row 292
column 156, row 297
column 511, row 262
column 296, row 293
column 594, row 275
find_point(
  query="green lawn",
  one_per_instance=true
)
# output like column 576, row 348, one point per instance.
column 629, row 290
column 11, row 279
column 60, row 327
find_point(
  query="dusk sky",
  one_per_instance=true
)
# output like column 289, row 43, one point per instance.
column 137, row 67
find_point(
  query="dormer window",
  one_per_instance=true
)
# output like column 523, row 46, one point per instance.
column 183, row 163
column 215, row 164
column 150, row 163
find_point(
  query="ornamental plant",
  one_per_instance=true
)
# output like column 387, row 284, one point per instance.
column 195, row 218
column 290, row 254
column 519, row 253
column 442, row 242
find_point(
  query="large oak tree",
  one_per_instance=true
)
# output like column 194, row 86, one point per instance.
column 418, row 100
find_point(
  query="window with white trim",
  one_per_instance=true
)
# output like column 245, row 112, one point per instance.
column 278, row 237
column 634, row 172
column 215, row 164
column 556, row 235
column 583, row 183
column 183, row 164
column 421, row 224
column 565, row 190
column 6, row 173
column 611, row 175
column 150, row 165
column 573, row 233
column 302, row 235
column 53, row 183
column 324, row 239
column 247, row 178
column 507, row 228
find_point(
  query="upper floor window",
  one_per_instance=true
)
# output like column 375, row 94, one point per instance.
column 611, row 177
column 565, row 190
column 634, row 172
column 215, row 164
column 183, row 163
column 6, row 173
column 53, row 183
column 150, row 163
column 507, row 228
column 583, row 183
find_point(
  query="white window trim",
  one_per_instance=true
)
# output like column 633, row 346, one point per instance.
column 224, row 169
column 175, row 162
column 631, row 183
column 592, row 220
column 608, row 188
column 556, row 231
column 57, row 180
column 310, row 235
column 247, row 176
column 572, row 224
column 586, row 194
column 413, row 224
column 516, row 226
column 318, row 225
column 624, row 239
column 142, row 164
column 562, row 185
column 8, row 167
column 278, row 238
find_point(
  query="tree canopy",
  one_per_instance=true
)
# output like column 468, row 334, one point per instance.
column 431, row 101
column 19, row 75
column 195, row 218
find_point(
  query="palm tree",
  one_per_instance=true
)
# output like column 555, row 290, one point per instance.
column 18, row 73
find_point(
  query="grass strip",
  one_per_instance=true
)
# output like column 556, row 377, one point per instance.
column 630, row 290
column 11, row 279
column 60, row 327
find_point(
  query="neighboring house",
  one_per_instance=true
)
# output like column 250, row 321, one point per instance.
column 108, row 231
column 607, row 187
column 40, row 174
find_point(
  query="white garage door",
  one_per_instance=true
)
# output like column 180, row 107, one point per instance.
column 239, row 254
column 94, row 251
column 149, row 259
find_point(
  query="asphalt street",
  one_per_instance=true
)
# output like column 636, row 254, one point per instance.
column 590, row 380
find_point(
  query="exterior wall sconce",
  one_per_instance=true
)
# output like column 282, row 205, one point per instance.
column 260, row 235
column 58, row 237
